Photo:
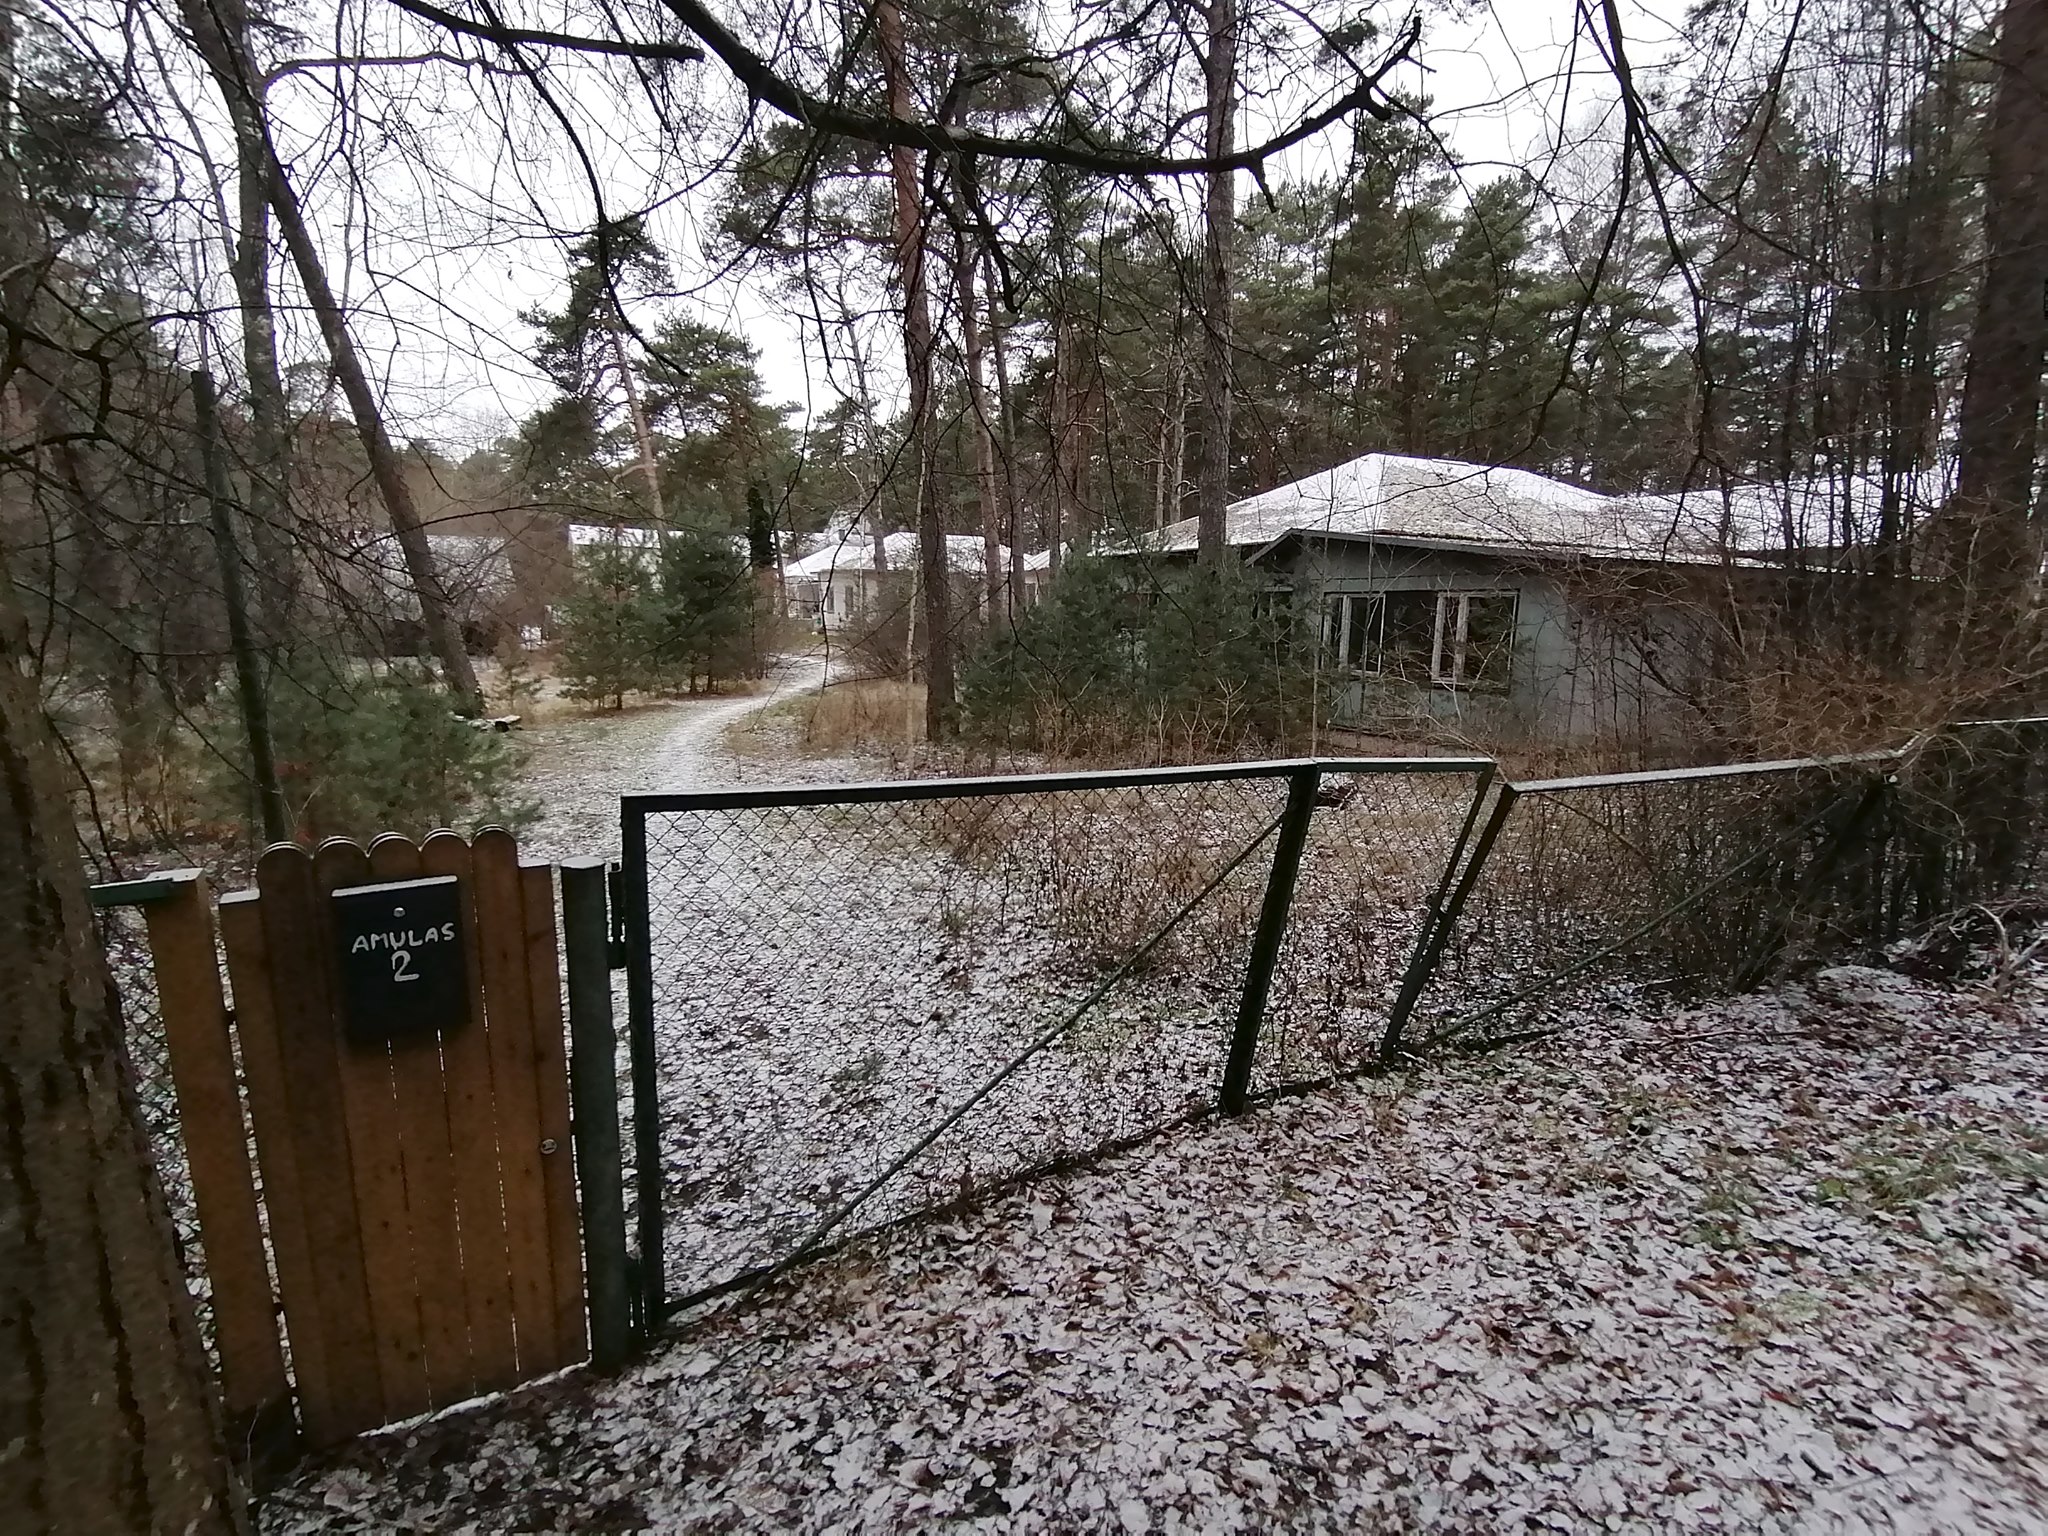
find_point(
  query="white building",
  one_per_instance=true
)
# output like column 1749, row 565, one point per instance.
column 839, row 584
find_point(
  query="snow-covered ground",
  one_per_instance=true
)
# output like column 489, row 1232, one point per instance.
column 1768, row 1264
column 830, row 982
column 579, row 766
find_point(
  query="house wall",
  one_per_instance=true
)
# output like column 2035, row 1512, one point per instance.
column 1575, row 670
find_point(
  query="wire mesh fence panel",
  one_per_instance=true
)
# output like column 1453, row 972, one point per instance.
column 1709, row 879
column 1635, row 882
column 1376, row 855
column 828, row 981
column 124, row 936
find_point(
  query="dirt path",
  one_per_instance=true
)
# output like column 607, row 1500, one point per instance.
column 580, row 767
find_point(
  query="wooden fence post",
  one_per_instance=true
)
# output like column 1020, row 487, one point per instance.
column 255, row 1392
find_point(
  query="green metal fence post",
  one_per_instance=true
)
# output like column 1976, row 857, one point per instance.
column 1442, row 915
column 594, row 1095
column 1258, row 978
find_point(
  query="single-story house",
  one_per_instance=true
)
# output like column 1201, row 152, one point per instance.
column 1463, row 599
column 839, row 584
column 474, row 569
column 643, row 544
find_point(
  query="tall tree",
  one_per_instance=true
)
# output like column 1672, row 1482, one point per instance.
column 222, row 36
column 585, row 348
column 1993, row 551
column 1212, row 479
column 934, row 570
column 105, row 1418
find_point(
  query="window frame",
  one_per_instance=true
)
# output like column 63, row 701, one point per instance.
column 1450, row 633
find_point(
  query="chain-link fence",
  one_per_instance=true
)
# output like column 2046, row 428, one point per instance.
column 852, row 1004
column 1702, row 880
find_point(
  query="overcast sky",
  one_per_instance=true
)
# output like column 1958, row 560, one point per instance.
column 448, row 263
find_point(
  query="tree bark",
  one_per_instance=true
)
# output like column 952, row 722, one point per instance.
column 1061, row 513
column 277, row 821
column 917, row 359
column 270, row 436
column 1212, row 486
column 642, row 437
column 1006, row 445
column 106, row 1423
column 1989, row 552
column 982, row 429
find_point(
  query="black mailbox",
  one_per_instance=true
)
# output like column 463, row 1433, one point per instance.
column 403, row 975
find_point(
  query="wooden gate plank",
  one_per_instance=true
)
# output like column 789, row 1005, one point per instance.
column 317, row 1128
column 429, row 1163
column 255, row 1391
column 508, row 996
column 371, row 1106
column 551, row 1075
column 473, row 1134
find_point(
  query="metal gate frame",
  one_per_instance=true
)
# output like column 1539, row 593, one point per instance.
column 1303, row 777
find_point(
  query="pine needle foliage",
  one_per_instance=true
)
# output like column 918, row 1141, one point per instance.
column 1163, row 663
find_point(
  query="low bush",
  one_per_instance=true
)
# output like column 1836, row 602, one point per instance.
column 362, row 750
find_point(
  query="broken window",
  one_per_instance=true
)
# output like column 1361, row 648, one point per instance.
column 1486, row 640
column 1458, row 639
column 1408, row 642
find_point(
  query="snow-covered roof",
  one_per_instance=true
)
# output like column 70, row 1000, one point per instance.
column 1821, row 512
column 856, row 552
column 1445, row 501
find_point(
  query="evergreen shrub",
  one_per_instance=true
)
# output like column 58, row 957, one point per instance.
column 1127, row 659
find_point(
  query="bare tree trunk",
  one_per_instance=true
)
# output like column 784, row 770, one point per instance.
column 277, row 822
column 437, row 615
column 1991, row 552
column 1212, row 486
column 222, row 36
column 917, row 358
column 270, row 467
column 981, row 427
column 636, row 407
column 1063, row 516
column 1007, row 448
column 221, row 31
column 1173, row 433
column 105, row 1419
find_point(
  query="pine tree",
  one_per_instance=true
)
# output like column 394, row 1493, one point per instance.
column 706, row 624
column 609, row 627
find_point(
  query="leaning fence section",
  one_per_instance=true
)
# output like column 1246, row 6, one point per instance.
column 853, row 1004
column 1582, row 893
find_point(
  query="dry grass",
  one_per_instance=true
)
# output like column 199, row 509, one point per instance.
column 868, row 716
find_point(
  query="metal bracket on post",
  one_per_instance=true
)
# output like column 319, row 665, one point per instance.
column 1272, row 929
column 594, row 1091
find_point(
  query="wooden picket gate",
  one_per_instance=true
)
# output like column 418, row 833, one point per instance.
column 418, row 1196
